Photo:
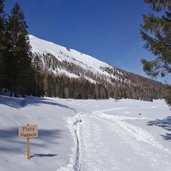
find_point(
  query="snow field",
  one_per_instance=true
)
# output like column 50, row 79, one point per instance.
column 86, row 135
column 51, row 150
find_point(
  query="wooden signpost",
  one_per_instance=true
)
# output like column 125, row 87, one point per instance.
column 28, row 131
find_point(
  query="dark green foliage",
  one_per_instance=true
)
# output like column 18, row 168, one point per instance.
column 19, row 71
column 156, row 32
column 158, row 5
column 2, row 43
column 39, row 86
column 168, row 96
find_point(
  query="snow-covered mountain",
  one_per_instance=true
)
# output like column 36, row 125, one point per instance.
column 63, row 54
column 69, row 63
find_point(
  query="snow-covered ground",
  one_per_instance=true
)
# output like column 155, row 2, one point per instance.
column 86, row 135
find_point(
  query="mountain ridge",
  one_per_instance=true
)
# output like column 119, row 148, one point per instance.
column 59, row 61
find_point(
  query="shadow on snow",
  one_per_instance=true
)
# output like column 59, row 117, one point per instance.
column 22, row 102
column 43, row 155
column 11, row 143
column 163, row 123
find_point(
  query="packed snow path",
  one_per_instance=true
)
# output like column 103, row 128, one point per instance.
column 110, row 143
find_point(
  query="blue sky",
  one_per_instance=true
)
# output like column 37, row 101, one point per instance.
column 105, row 29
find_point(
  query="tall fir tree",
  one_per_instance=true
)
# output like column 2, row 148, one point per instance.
column 2, row 43
column 19, row 71
column 156, row 32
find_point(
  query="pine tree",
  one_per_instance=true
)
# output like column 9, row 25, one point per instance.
column 156, row 32
column 2, row 43
column 19, row 70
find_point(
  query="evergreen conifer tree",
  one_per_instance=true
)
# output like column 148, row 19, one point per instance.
column 156, row 32
column 2, row 43
column 19, row 71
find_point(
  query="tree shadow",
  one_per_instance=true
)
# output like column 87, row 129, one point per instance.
column 39, row 101
column 22, row 102
column 11, row 143
column 166, row 137
column 163, row 123
column 43, row 155
column 12, row 102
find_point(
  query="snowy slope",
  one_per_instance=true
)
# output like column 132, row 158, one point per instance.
column 86, row 135
column 43, row 47
column 86, row 62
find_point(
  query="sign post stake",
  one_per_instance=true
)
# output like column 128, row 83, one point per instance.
column 28, row 148
column 28, row 131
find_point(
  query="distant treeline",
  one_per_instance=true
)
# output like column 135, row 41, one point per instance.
column 64, row 87
column 60, row 85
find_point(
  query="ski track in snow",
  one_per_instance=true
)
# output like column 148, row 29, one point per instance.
column 74, row 127
column 135, row 131
column 99, row 136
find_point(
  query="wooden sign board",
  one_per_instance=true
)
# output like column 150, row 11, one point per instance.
column 28, row 131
